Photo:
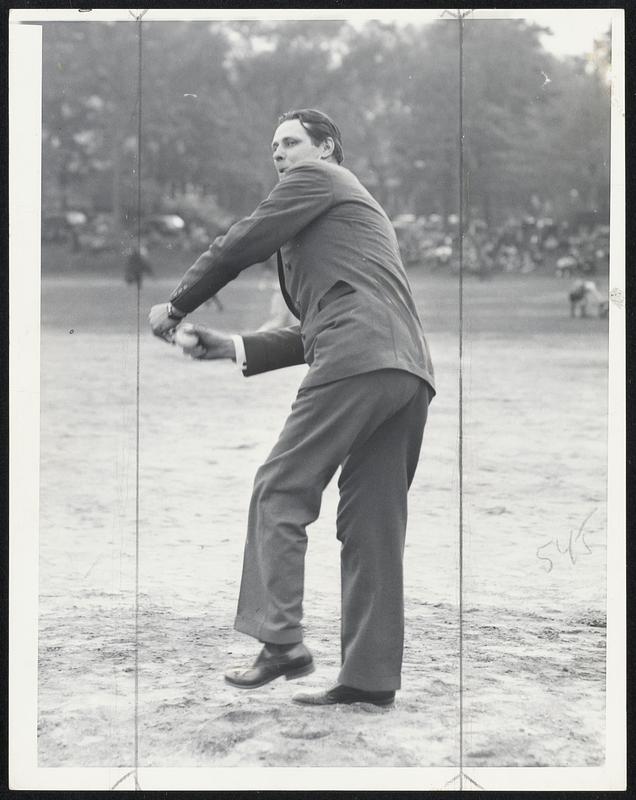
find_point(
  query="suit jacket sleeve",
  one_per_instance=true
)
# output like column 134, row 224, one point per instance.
column 303, row 194
column 268, row 350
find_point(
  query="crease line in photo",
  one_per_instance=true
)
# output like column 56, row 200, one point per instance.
column 139, row 23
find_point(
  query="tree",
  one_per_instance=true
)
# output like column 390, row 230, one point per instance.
column 529, row 123
column 89, row 106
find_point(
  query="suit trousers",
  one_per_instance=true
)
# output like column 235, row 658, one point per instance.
column 371, row 425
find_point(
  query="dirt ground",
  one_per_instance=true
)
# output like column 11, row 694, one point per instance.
column 534, row 512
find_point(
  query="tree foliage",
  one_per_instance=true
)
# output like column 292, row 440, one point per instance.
column 528, row 124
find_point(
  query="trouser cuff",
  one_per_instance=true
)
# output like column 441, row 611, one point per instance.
column 369, row 683
column 261, row 632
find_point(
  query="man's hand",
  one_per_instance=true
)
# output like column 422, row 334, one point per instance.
column 161, row 322
column 211, row 345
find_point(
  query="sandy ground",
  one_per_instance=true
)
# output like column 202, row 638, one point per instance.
column 534, row 510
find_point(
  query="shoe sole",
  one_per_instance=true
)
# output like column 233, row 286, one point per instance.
column 299, row 672
column 383, row 704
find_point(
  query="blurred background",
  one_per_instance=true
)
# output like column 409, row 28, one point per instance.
column 535, row 123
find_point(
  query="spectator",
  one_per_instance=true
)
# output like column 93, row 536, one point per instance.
column 137, row 265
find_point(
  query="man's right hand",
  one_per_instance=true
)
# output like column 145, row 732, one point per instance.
column 161, row 322
column 212, row 344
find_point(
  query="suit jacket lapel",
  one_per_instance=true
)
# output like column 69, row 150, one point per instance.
column 281, row 279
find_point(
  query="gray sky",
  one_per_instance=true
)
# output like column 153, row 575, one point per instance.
column 573, row 30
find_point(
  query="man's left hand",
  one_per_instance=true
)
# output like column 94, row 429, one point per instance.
column 161, row 323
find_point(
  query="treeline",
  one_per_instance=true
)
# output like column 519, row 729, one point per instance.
column 530, row 124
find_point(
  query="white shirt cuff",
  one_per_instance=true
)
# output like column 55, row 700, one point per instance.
column 239, row 350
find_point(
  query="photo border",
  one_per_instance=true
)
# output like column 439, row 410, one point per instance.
column 25, row 43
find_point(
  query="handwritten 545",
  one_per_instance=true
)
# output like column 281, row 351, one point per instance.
column 575, row 547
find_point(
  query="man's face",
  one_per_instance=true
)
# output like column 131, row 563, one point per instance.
column 291, row 144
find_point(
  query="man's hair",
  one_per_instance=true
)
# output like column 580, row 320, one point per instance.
column 319, row 126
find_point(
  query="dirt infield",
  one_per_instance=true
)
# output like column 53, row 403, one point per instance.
column 534, row 510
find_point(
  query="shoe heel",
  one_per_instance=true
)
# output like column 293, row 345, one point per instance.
column 299, row 672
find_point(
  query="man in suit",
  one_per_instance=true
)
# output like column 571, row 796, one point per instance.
column 362, row 406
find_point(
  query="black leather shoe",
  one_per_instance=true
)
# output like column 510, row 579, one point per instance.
column 345, row 694
column 269, row 665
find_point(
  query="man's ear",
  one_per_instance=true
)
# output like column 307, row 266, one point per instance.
column 329, row 146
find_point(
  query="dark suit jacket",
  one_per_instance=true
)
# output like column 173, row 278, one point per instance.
column 341, row 272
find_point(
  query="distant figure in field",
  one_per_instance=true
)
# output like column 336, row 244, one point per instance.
column 214, row 301
column 137, row 265
column 279, row 315
column 580, row 296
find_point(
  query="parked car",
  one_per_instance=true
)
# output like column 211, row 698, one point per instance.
column 63, row 227
column 163, row 224
column 99, row 235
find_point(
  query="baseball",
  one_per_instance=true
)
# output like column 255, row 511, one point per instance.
column 186, row 339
